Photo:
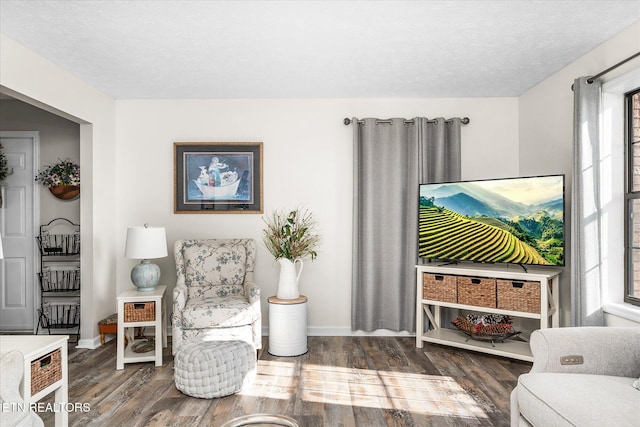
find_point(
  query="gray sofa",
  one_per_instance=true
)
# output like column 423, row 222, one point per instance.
column 580, row 377
column 12, row 414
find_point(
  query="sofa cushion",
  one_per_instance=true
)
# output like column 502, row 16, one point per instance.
column 218, row 312
column 207, row 265
column 13, row 414
column 559, row 399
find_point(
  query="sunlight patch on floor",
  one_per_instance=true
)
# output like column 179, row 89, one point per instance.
column 276, row 380
column 417, row 393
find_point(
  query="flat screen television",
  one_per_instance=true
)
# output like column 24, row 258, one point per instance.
column 508, row 220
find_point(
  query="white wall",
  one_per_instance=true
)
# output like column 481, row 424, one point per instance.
column 30, row 78
column 546, row 127
column 619, row 321
column 59, row 139
column 307, row 159
column 127, row 170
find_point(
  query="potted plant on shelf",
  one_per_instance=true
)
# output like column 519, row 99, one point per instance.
column 290, row 237
column 62, row 179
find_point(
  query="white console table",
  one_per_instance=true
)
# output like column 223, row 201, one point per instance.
column 33, row 347
column 547, row 315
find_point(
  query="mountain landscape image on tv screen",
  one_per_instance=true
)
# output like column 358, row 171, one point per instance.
column 514, row 220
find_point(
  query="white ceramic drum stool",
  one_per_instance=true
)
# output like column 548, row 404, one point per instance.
column 287, row 326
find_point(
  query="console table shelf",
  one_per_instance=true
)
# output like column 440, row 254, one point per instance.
column 509, row 348
column 516, row 348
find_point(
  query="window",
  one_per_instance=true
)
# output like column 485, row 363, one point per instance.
column 632, row 198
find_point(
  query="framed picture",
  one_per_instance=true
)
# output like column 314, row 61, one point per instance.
column 218, row 177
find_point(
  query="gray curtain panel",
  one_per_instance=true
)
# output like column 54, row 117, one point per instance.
column 586, row 265
column 390, row 160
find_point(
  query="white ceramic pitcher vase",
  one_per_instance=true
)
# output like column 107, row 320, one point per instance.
column 288, row 282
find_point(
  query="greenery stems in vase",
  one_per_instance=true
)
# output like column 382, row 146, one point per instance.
column 291, row 235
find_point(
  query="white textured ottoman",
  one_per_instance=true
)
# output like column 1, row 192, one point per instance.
column 209, row 369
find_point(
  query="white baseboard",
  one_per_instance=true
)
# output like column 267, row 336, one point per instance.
column 94, row 343
column 315, row 331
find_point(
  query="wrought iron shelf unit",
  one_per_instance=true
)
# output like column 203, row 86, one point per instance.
column 59, row 277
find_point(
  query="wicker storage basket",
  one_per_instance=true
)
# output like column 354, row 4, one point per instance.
column 518, row 296
column 140, row 311
column 477, row 291
column 439, row 287
column 45, row 371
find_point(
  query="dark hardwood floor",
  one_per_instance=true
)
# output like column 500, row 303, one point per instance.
column 341, row 381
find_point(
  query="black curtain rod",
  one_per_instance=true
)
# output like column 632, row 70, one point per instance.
column 613, row 67
column 347, row 121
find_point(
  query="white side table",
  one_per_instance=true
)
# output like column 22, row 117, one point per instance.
column 138, row 314
column 33, row 348
column 287, row 326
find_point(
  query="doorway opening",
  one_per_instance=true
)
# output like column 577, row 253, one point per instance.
column 27, row 205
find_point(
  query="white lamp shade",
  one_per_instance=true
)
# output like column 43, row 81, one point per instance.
column 145, row 242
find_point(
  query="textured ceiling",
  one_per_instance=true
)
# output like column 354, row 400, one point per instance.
column 313, row 49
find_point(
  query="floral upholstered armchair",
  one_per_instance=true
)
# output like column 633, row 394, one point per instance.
column 215, row 293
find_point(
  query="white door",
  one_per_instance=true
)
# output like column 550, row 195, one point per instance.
column 18, row 279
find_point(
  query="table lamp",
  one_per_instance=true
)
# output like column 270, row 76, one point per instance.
column 145, row 243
